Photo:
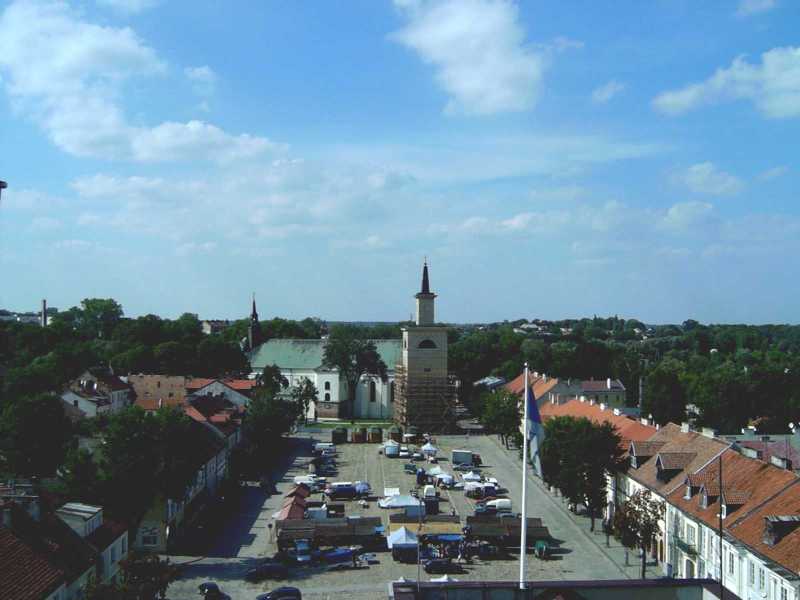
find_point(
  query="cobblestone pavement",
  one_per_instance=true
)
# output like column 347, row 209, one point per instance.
column 246, row 536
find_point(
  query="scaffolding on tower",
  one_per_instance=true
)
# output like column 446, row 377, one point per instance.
column 428, row 403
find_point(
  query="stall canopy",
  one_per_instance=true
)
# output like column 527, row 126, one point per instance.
column 444, row 578
column 401, row 538
column 399, row 502
column 436, row 471
column 472, row 476
column 430, row 449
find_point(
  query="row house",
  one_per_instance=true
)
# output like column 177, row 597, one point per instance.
column 755, row 506
column 96, row 393
column 659, row 464
column 55, row 554
column 217, row 427
column 154, row 391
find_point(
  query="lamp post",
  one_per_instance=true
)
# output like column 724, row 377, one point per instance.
column 3, row 185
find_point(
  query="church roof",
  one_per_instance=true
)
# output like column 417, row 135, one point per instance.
column 307, row 354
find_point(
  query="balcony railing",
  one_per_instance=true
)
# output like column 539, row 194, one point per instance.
column 686, row 547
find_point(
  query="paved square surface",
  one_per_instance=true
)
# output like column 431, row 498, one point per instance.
column 247, row 536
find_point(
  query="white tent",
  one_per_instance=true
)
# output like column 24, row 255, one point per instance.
column 443, row 579
column 471, row 476
column 445, row 478
column 436, row 471
column 399, row 502
column 401, row 538
column 429, row 449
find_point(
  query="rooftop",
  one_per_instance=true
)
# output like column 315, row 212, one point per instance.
column 26, row 574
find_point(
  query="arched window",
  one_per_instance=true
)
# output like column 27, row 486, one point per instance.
column 391, row 392
column 327, row 385
column 327, row 397
column 372, row 391
column 426, row 344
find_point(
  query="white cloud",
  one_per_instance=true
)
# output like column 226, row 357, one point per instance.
column 67, row 74
column 562, row 44
column 773, row 86
column 748, row 8
column 479, row 52
column 607, row 91
column 128, row 6
column 686, row 215
column 773, row 173
column 203, row 79
column 706, row 178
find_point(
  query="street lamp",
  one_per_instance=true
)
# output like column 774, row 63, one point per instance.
column 3, row 185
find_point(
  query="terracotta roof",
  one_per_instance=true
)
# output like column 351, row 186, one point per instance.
column 675, row 440
column 291, row 511
column 540, row 384
column 198, row 382
column 601, row 385
column 746, row 481
column 778, row 448
column 25, row 574
column 628, row 429
column 675, row 461
column 750, row 530
column 298, row 490
column 699, row 479
column 645, row 448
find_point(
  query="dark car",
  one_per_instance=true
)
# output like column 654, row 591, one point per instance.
column 282, row 593
column 210, row 591
column 268, row 570
column 438, row 565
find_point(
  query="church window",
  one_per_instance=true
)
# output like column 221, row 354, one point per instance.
column 391, row 392
column 327, row 385
column 427, row 344
column 327, row 397
column 372, row 391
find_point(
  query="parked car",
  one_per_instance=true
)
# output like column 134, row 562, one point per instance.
column 268, row 570
column 282, row 593
column 210, row 591
column 410, row 468
column 438, row 565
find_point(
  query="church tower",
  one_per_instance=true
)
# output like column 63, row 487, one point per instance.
column 426, row 393
column 254, row 329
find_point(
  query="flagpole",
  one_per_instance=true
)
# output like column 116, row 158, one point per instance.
column 524, row 519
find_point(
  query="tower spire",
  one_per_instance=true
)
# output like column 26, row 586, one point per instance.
column 426, row 288
column 254, row 313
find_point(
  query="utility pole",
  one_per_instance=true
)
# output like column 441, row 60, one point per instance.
column 721, row 562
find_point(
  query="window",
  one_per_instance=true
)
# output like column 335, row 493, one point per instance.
column 689, row 534
column 327, row 385
column 75, row 403
column 149, row 540
column 391, row 392
column 761, row 578
column 701, row 541
column 158, row 384
column 731, row 562
column 327, row 397
column 372, row 389
column 124, row 545
column 752, row 572
column 427, row 344
column 114, row 553
column 784, row 594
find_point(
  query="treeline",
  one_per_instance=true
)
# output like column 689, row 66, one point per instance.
column 731, row 375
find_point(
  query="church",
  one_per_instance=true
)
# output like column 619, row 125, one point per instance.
column 418, row 389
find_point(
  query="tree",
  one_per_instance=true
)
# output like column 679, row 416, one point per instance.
column 664, row 393
column 302, row 395
column 173, row 358
column 99, row 316
column 81, row 476
column 636, row 522
column 180, row 440
column 33, row 435
column 268, row 418
column 577, row 456
column 217, row 358
column 353, row 355
column 271, row 381
column 144, row 577
column 501, row 414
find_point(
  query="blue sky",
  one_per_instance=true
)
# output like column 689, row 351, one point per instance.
column 551, row 159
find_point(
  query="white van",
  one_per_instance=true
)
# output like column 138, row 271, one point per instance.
column 499, row 505
column 429, row 492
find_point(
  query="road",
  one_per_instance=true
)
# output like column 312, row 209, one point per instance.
column 246, row 535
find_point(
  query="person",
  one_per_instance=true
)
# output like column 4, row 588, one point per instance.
column 453, row 511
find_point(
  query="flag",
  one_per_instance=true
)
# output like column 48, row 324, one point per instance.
column 534, row 428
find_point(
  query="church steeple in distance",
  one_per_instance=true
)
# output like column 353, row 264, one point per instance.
column 254, row 329
column 425, row 299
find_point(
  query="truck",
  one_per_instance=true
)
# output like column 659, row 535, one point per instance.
column 465, row 457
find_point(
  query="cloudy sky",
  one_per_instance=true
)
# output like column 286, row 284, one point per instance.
column 551, row 159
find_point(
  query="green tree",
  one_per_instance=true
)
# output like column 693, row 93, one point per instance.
column 99, row 316
column 271, row 381
column 501, row 414
column 636, row 523
column 268, row 418
column 144, row 577
column 173, row 358
column 664, row 392
column 302, row 395
column 81, row 476
column 352, row 355
column 34, row 433
column 218, row 358
column 577, row 456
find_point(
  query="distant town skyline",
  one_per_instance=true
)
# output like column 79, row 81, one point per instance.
column 551, row 160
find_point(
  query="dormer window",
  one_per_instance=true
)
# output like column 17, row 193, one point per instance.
column 724, row 510
column 688, row 493
column 704, row 500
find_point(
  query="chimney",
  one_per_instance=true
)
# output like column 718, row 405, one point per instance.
column 644, row 421
column 685, row 427
column 544, row 377
column 44, row 313
column 608, row 383
column 751, row 452
column 591, row 401
column 781, row 462
column 617, row 412
column 583, row 398
column 602, row 406
column 709, row 432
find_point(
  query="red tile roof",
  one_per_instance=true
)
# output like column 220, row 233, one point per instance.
column 750, row 530
column 746, row 483
column 24, row 573
column 601, row 385
column 298, row 490
column 675, row 461
column 628, row 429
column 240, row 385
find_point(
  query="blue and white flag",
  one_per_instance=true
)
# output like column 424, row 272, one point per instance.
column 534, row 427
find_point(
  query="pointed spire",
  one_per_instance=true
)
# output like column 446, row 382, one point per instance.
column 426, row 288
column 254, row 313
